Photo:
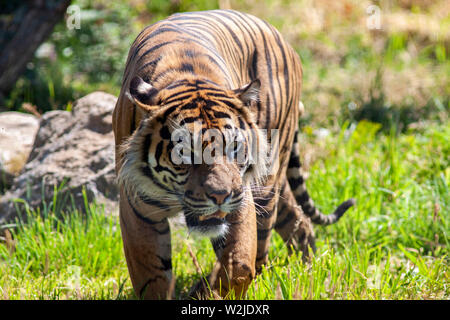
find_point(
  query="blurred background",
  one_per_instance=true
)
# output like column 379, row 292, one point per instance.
column 384, row 61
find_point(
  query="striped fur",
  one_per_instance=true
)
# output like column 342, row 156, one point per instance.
column 220, row 70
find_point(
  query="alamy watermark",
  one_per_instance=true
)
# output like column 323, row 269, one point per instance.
column 373, row 21
column 73, row 20
column 213, row 146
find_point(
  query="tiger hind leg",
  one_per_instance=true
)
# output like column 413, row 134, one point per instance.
column 293, row 226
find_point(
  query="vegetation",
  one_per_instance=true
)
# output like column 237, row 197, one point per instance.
column 376, row 128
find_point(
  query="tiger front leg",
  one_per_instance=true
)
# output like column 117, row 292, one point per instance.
column 236, row 252
column 147, row 250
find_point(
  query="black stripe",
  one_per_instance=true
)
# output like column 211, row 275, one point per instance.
column 270, row 195
column 288, row 219
column 244, row 23
column 269, row 66
column 189, row 120
column 145, row 29
column 166, row 263
column 308, row 209
column 152, row 63
column 152, row 202
column 263, row 234
column 165, row 133
column 150, row 280
column 166, row 113
column 139, row 215
column 235, row 38
column 145, row 147
column 274, row 78
column 211, row 59
column 159, row 151
column 208, row 29
column 218, row 244
column 262, row 256
column 221, row 115
column 158, row 154
column 182, row 182
column 268, row 111
column 227, row 16
column 189, row 53
column 302, row 198
column 180, row 95
column 254, row 68
column 155, row 47
column 133, row 120
column 186, row 67
column 197, row 206
column 245, row 19
column 197, row 26
column 189, row 106
column 295, row 182
column 156, row 77
column 294, row 161
column 228, row 103
column 188, row 194
column 195, row 21
column 241, row 123
column 148, row 173
column 216, row 93
column 178, row 83
column 283, row 55
column 142, row 43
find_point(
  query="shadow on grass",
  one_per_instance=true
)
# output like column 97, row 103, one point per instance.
column 377, row 109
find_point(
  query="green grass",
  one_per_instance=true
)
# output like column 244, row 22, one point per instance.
column 59, row 257
column 392, row 245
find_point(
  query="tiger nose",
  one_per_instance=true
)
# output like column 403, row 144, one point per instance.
column 219, row 196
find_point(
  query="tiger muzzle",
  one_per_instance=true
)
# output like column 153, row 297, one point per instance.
column 217, row 215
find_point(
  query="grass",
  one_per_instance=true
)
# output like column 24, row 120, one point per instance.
column 393, row 245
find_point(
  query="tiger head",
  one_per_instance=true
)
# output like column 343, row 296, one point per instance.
column 197, row 150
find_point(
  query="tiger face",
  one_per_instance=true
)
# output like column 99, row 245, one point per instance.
column 197, row 150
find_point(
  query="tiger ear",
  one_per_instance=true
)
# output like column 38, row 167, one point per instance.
column 249, row 93
column 143, row 94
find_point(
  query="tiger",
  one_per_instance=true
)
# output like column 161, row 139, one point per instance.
column 220, row 70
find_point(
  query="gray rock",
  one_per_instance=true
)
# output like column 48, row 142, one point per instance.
column 17, row 132
column 72, row 151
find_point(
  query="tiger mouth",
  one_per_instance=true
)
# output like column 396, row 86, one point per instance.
column 211, row 225
column 219, row 214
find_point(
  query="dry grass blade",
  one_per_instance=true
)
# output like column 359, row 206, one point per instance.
column 197, row 267
column 215, row 272
column 46, row 263
column 436, row 210
column 170, row 292
column 10, row 243
column 31, row 109
column 194, row 259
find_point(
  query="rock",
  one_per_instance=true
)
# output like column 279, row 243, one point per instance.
column 6, row 179
column 72, row 151
column 17, row 132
